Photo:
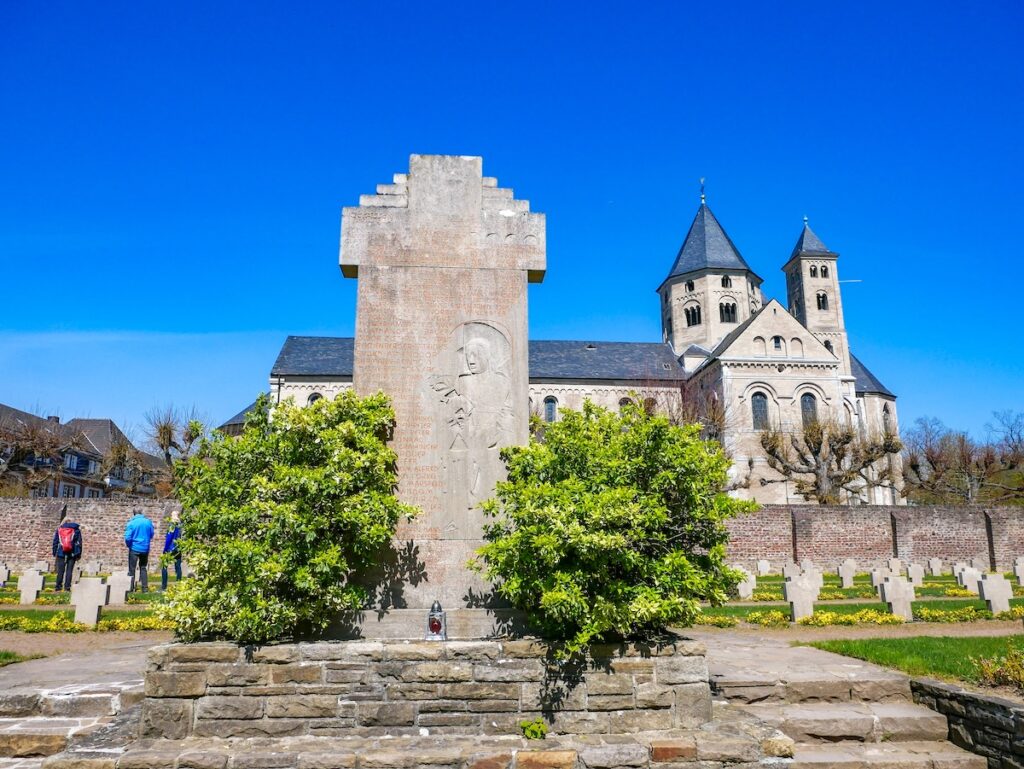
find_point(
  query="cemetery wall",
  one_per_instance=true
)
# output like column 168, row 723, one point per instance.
column 832, row 534
column 27, row 527
column 987, row 726
column 372, row 688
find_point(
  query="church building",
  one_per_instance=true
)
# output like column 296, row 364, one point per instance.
column 737, row 361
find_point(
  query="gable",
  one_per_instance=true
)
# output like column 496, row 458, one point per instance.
column 755, row 338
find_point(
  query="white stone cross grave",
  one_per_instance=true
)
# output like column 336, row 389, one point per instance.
column 746, row 587
column 5, row 574
column 120, row 585
column 969, row 579
column 791, row 570
column 915, row 573
column 847, row 570
column 958, row 567
column 1018, row 570
column 878, row 577
column 764, row 568
column 807, row 565
column 89, row 597
column 935, row 567
column 979, row 563
column 43, row 566
column 801, row 593
column 996, row 592
column 898, row 594
column 30, row 584
column 895, row 565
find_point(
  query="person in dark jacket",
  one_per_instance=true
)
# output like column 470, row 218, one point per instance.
column 171, row 546
column 66, row 558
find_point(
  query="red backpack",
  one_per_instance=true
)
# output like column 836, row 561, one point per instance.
column 67, row 538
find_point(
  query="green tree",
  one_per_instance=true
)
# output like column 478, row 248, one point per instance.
column 611, row 526
column 279, row 520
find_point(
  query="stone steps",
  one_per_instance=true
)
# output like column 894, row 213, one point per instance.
column 885, row 755
column 39, row 736
column 854, row 721
column 810, row 687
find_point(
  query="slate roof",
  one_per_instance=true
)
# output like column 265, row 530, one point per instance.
column 809, row 243
column 101, row 433
column 239, row 418
column 707, row 247
column 558, row 359
column 315, row 356
column 866, row 381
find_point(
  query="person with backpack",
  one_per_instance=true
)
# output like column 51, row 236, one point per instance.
column 171, row 546
column 67, row 548
column 137, row 536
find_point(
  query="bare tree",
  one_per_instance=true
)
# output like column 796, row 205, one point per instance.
column 826, row 458
column 947, row 466
column 173, row 433
column 127, row 464
column 32, row 452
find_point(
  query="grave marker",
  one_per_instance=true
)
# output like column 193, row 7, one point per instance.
column 1018, row 570
column 996, row 592
column 89, row 597
column 801, row 593
column 30, row 584
column 745, row 589
column 935, row 567
column 895, row 565
column 979, row 563
column 915, row 573
column 120, row 585
column 878, row 577
column 898, row 594
column 5, row 574
column 764, row 568
column 847, row 571
column 42, row 566
column 969, row 579
column 791, row 570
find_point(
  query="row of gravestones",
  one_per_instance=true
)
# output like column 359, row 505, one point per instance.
column 803, row 584
column 895, row 565
column 88, row 594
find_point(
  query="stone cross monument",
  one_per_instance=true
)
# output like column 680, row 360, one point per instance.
column 443, row 257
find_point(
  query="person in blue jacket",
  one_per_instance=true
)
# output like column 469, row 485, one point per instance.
column 137, row 536
column 67, row 548
column 171, row 546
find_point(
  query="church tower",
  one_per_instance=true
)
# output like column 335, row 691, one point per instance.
column 710, row 289
column 812, row 291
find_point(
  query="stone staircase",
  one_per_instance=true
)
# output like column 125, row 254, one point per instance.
column 841, row 713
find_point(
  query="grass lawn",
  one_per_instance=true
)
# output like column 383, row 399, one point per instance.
column 9, row 658
column 939, row 656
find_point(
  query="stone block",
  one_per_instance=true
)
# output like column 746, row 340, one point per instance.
column 296, row 674
column 282, row 654
column 202, row 759
column 345, row 673
column 438, row 672
column 681, row 670
column 524, row 649
column 166, row 719
column 480, row 691
column 493, row 761
column 332, row 760
column 413, row 691
column 674, row 750
column 614, row 756
column 630, row 721
column 448, row 719
column 693, row 705
column 472, row 650
column 536, row 697
column 147, row 759
column 302, row 706
column 204, row 652
column 513, row 671
column 493, row 706
column 386, row 713
column 265, row 759
column 175, row 684
column 651, row 695
column 18, row 705
column 546, row 759
column 421, row 650
column 633, row 666
column 236, row 675
column 610, row 702
column 276, row 727
column 726, row 748
column 231, row 708
column 575, row 722
column 344, row 650
column 604, row 683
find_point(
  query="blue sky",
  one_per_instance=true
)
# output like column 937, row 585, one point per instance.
column 173, row 175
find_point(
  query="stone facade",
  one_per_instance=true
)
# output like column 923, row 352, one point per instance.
column 366, row 688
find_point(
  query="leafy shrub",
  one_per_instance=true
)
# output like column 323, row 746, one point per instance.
column 862, row 617
column 611, row 526
column 134, row 624
column 1003, row 671
column 773, row 618
column 535, row 729
column 279, row 520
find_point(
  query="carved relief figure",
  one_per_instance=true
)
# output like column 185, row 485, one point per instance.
column 477, row 418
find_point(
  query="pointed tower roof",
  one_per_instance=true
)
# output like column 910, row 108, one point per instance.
column 809, row 243
column 707, row 247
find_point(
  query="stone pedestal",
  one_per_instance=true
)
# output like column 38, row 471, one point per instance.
column 443, row 257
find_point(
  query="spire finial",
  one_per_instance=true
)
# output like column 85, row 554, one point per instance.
column 702, row 190
column 805, row 220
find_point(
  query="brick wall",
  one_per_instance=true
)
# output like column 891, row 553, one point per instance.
column 767, row 534
column 27, row 527
column 952, row 534
column 830, row 535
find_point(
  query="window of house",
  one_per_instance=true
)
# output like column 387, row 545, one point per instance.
column 759, row 410
column 814, row 271
column 777, row 342
column 726, row 281
column 689, row 285
column 70, row 461
column 42, row 491
column 824, row 271
column 822, row 301
column 68, row 491
column 550, row 408
column 94, row 493
column 808, row 409
column 313, row 398
column 727, row 312
column 828, row 346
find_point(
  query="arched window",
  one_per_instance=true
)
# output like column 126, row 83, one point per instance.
column 814, row 271
column 623, row 402
column 726, row 281
column 828, row 346
column 886, row 419
column 777, row 342
column 689, row 285
column 313, row 398
column 650, row 405
column 808, row 409
column 727, row 312
column 759, row 410
column 824, row 271
column 550, row 408
column 692, row 315
column 822, row 301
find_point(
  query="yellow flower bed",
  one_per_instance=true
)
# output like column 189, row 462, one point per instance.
column 716, row 621
column 773, row 618
column 862, row 617
column 62, row 623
